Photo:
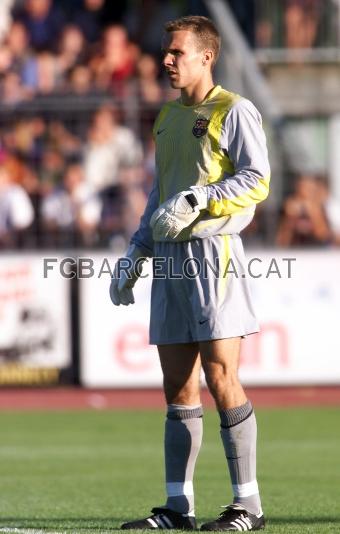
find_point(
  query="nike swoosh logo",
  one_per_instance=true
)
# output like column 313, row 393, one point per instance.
column 202, row 322
column 160, row 131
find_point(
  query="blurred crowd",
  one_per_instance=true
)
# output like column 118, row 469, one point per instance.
column 59, row 190
column 76, row 163
column 47, row 50
column 77, row 179
column 310, row 216
column 295, row 24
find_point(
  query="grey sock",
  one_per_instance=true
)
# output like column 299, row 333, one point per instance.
column 238, row 432
column 183, row 438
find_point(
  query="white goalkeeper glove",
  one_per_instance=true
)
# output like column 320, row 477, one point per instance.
column 126, row 273
column 178, row 212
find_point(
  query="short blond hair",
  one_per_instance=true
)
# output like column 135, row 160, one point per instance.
column 204, row 30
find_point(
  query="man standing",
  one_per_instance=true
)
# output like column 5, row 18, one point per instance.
column 212, row 169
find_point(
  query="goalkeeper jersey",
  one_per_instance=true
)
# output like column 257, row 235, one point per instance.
column 218, row 143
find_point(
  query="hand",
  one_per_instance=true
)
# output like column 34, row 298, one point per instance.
column 178, row 213
column 126, row 273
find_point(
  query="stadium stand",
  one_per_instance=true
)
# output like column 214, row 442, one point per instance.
column 81, row 85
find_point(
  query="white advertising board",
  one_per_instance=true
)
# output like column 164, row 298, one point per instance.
column 35, row 342
column 299, row 317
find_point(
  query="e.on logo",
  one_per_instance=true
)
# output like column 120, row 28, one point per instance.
column 253, row 347
column 133, row 353
column 132, row 350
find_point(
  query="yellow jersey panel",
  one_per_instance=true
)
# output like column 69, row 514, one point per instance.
column 187, row 143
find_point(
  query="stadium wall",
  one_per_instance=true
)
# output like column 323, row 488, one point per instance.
column 59, row 326
column 36, row 324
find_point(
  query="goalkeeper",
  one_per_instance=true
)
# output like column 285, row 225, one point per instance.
column 212, row 170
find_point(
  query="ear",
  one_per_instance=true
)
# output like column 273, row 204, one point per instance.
column 207, row 57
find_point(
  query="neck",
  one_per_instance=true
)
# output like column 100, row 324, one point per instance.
column 197, row 93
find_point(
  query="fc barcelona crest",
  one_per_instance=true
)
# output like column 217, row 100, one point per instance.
column 200, row 127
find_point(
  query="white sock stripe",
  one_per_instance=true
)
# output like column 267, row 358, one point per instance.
column 152, row 522
column 245, row 490
column 190, row 514
column 175, row 489
column 167, row 521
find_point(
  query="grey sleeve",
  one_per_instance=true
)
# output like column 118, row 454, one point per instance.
column 142, row 238
column 244, row 141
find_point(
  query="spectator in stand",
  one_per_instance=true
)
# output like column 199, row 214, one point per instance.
column 72, row 212
column 304, row 221
column 31, row 184
column 64, row 141
column 145, row 21
column 12, row 92
column 111, row 153
column 301, row 20
column 27, row 138
column 90, row 19
column 40, row 74
column 116, row 63
column 48, row 74
column 51, row 170
column 17, row 40
column 15, row 168
column 18, row 54
column 16, row 210
column 43, row 21
column 72, row 50
column 134, row 198
column 93, row 15
column 264, row 33
column 20, row 139
column 113, row 213
column 80, row 81
column 149, row 89
column 39, row 135
column 109, row 149
column 6, row 59
column 5, row 16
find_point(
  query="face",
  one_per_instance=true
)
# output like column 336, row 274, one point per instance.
column 104, row 120
column 38, row 8
column 115, row 38
column 183, row 60
column 17, row 38
column 5, row 178
column 94, row 5
column 72, row 40
column 306, row 188
column 73, row 177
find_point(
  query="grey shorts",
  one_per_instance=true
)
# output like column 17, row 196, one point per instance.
column 200, row 291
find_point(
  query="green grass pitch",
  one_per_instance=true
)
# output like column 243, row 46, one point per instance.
column 86, row 472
